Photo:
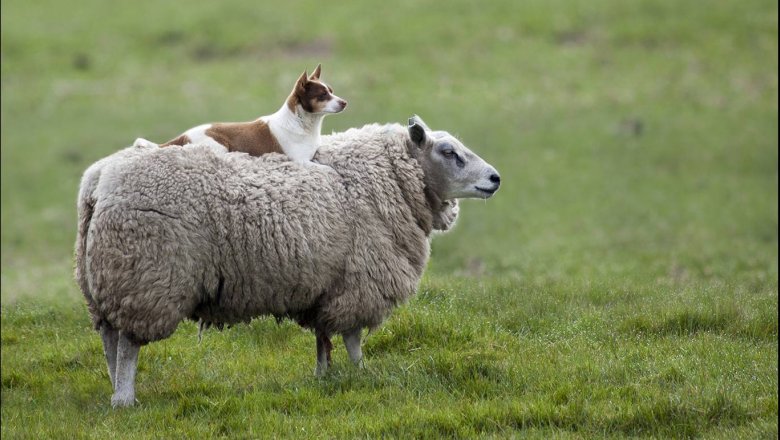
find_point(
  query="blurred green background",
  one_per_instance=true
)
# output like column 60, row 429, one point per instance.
column 636, row 140
column 638, row 147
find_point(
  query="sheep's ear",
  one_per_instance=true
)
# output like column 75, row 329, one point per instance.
column 418, row 120
column 417, row 130
column 316, row 74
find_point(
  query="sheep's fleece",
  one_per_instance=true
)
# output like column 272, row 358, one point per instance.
column 189, row 232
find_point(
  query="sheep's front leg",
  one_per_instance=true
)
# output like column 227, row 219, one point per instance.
column 110, row 337
column 324, row 347
column 126, row 363
column 352, row 342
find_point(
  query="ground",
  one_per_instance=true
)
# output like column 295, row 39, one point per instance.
column 623, row 281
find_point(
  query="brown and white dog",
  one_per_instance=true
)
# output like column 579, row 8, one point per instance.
column 293, row 130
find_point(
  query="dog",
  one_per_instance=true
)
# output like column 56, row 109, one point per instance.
column 293, row 130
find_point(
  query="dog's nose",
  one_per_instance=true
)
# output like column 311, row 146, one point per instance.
column 495, row 178
column 343, row 104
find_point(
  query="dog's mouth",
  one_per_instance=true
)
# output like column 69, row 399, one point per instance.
column 333, row 110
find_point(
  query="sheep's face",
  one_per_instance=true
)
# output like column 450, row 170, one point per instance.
column 451, row 169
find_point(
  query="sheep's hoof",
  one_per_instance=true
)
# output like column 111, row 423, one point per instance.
column 122, row 401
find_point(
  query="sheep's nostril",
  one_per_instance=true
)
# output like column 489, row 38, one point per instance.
column 495, row 178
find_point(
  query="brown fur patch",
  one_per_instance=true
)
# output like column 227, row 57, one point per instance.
column 292, row 101
column 253, row 137
column 181, row 140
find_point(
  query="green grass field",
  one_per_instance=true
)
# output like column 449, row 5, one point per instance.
column 623, row 282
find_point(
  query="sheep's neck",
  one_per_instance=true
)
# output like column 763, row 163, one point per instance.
column 435, row 204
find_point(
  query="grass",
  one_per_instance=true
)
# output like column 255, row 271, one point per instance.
column 622, row 283
column 538, row 360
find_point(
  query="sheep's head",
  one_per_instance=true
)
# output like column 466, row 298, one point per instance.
column 452, row 171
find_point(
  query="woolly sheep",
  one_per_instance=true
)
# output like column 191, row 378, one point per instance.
column 189, row 232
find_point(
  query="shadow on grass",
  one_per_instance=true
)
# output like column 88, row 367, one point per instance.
column 411, row 331
column 657, row 418
column 688, row 322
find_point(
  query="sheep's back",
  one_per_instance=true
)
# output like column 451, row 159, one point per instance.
column 197, row 234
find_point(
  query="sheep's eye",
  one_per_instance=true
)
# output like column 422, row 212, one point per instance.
column 451, row 154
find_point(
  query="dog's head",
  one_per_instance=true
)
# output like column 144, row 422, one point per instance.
column 314, row 96
column 452, row 171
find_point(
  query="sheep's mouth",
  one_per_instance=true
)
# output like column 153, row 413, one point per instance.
column 488, row 191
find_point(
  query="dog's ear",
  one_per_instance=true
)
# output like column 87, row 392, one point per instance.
column 316, row 74
column 417, row 129
column 302, row 80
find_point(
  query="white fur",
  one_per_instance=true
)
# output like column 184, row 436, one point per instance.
column 198, row 135
column 298, row 134
column 334, row 105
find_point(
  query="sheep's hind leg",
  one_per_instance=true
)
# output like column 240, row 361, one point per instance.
column 110, row 336
column 126, row 363
column 324, row 347
column 352, row 342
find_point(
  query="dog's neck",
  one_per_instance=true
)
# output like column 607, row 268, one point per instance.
column 299, row 124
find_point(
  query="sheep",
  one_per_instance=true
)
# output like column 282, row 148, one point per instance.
column 166, row 234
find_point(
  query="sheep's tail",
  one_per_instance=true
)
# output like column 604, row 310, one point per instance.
column 86, row 207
